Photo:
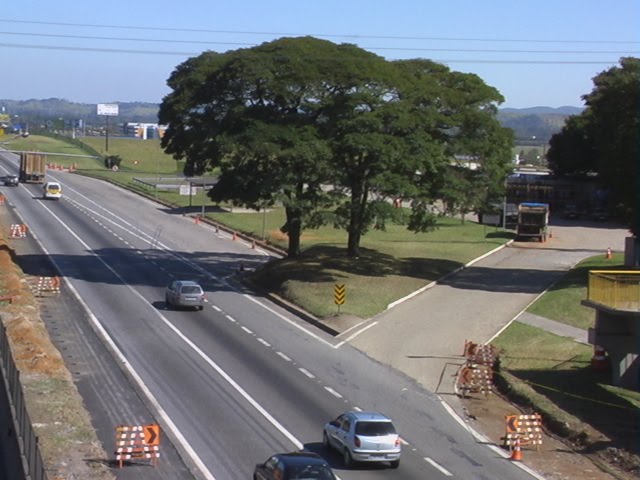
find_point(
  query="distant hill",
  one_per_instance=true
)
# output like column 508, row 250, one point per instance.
column 538, row 122
column 543, row 110
column 35, row 111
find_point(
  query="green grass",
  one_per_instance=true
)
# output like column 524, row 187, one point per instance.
column 560, row 380
column 391, row 265
column 562, row 302
column 40, row 143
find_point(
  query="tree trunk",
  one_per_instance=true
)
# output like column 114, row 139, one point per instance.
column 294, row 231
column 356, row 219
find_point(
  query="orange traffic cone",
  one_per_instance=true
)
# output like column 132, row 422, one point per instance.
column 197, row 219
column 517, row 453
column 608, row 254
column 599, row 361
column 235, row 237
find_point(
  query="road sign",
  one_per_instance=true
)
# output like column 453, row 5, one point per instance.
column 152, row 434
column 108, row 109
column 512, row 423
column 339, row 294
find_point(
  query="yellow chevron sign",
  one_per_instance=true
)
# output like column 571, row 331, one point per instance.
column 339, row 294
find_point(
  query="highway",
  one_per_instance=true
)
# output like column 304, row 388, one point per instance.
column 232, row 384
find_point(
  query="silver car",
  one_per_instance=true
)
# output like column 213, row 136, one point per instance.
column 363, row 437
column 184, row 293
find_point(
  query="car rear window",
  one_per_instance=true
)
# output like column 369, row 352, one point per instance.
column 190, row 289
column 372, row 429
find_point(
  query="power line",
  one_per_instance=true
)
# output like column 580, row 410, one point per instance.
column 170, row 53
column 326, row 35
column 415, row 49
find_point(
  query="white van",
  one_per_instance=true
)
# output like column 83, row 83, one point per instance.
column 52, row 190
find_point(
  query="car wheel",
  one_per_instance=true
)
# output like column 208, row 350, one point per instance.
column 325, row 441
column 201, row 307
column 167, row 303
column 395, row 464
column 348, row 461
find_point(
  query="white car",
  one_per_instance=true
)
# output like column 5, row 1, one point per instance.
column 52, row 190
column 363, row 437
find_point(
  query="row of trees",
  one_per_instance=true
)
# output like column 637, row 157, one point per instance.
column 282, row 121
column 604, row 140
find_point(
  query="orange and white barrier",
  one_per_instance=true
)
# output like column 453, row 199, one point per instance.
column 47, row 285
column 137, row 441
column 1, row 199
column 18, row 230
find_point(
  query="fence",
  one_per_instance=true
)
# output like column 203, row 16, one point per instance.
column 618, row 289
column 30, row 450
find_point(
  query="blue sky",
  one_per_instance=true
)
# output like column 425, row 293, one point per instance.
column 535, row 53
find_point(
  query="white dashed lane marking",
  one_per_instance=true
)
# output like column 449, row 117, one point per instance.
column 284, row 356
column 307, row 373
column 333, row 392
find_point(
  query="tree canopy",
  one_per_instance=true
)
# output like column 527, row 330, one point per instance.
column 605, row 138
column 317, row 126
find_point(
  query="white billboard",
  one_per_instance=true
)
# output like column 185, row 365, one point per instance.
column 109, row 109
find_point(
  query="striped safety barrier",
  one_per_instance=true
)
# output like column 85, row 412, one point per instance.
column 137, row 442
column 523, row 430
column 18, row 230
column 47, row 285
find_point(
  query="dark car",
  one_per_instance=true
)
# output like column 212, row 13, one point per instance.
column 294, row 466
column 11, row 181
column 600, row 214
column 571, row 212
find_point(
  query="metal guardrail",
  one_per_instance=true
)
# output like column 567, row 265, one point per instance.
column 617, row 289
column 29, row 443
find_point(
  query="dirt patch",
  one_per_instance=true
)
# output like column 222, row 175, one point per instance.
column 68, row 442
column 556, row 459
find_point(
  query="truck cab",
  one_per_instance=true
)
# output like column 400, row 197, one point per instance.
column 533, row 221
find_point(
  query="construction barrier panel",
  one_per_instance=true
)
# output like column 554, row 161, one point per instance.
column 475, row 379
column 137, row 442
column 18, row 230
column 523, row 430
column 47, row 285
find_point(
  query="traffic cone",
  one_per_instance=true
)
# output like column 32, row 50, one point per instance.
column 599, row 361
column 235, row 237
column 608, row 254
column 253, row 244
column 197, row 219
column 516, row 455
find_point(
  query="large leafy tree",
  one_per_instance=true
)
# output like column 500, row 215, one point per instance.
column 605, row 138
column 396, row 132
column 252, row 114
column 282, row 120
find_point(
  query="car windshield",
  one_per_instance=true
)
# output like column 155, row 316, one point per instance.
column 187, row 289
column 374, row 429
